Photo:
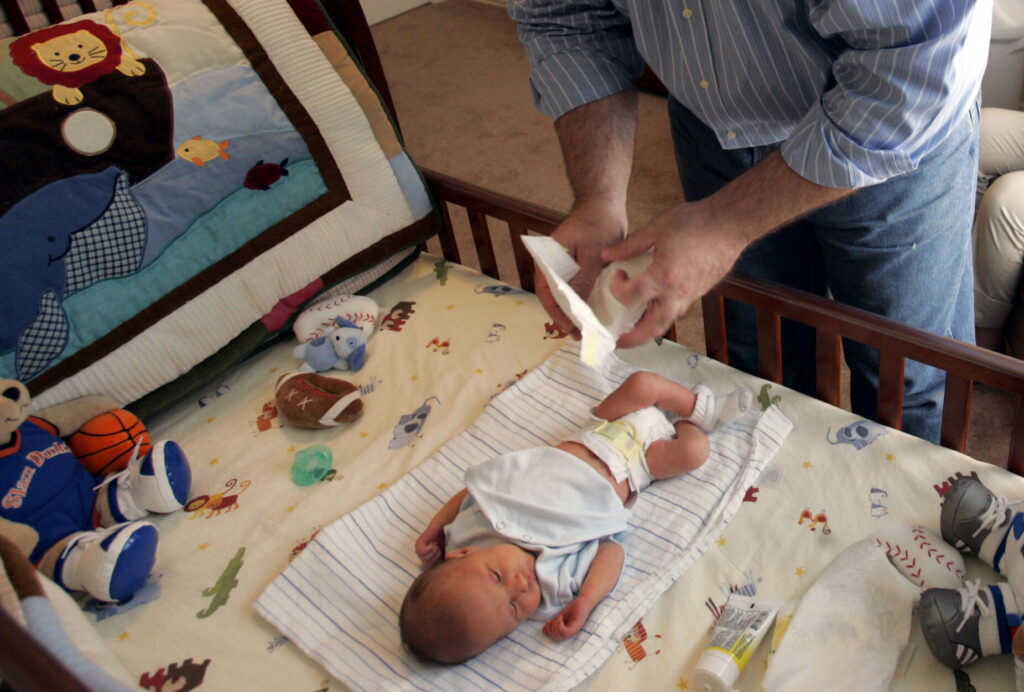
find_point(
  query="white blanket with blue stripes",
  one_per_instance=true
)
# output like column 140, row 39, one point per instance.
column 339, row 599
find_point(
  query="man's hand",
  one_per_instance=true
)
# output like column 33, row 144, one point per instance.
column 697, row 243
column 692, row 252
column 590, row 227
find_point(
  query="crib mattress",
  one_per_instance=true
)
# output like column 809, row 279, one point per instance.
column 448, row 341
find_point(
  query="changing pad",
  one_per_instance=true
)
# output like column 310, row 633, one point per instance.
column 339, row 600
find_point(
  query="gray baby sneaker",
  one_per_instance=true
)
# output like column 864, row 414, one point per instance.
column 962, row 625
column 970, row 514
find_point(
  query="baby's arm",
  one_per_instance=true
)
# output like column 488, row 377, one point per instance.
column 601, row 578
column 643, row 389
column 430, row 544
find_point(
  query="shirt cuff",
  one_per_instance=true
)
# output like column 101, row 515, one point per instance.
column 820, row 152
column 566, row 81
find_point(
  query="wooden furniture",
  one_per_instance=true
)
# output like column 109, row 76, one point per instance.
column 27, row 666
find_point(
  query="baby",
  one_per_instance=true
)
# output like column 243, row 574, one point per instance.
column 530, row 534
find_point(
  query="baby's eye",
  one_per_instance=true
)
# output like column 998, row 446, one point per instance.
column 515, row 609
column 497, row 576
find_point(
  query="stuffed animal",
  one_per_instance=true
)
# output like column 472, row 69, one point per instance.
column 310, row 400
column 81, row 530
column 343, row 348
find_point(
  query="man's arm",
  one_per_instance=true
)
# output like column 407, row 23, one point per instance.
column 430, row 544
column 697, row 243
column 600, row 580
column 597, row 148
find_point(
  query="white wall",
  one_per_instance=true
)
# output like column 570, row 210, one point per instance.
column 379, row 10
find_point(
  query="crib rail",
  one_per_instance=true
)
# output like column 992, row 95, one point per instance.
column 479, row 205
column 16, row 14
column 964, row 364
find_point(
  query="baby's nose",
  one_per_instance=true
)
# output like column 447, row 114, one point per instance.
column 521, row 582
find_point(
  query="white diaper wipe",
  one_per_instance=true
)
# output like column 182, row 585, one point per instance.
column 622, row 444
column 604, row 319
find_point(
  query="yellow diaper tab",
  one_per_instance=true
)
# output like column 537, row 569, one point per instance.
column 623, row 438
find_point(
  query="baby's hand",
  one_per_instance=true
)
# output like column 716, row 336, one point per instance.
column 570, row 621
column 430, row 545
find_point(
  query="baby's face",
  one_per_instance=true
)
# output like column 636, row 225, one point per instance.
column 498, row 584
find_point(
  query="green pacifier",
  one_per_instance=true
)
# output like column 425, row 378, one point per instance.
column 311, row 464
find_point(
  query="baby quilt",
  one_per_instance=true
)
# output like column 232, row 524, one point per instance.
column 171, row 170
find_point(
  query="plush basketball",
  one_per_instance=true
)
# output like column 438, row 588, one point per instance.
column 105, row 443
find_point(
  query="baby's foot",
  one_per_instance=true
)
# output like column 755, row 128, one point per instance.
column 712, row 409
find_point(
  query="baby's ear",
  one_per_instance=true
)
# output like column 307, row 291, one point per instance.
column 461, row 552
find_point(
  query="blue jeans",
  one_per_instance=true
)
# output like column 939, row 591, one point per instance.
column 901, row 248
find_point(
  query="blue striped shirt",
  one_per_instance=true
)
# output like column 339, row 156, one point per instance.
column 856, row 91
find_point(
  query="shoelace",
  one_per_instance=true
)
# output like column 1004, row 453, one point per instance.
column 123, row 477
column 970, row 598
column 994, row 513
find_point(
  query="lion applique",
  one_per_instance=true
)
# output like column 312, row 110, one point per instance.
column 68, row 56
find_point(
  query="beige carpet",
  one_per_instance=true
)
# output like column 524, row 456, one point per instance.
column 459, row 80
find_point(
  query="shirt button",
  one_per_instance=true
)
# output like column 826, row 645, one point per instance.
column 500, row 525
column 704, row 84
column 687, row 13
column 730, row 134
column 527, row 537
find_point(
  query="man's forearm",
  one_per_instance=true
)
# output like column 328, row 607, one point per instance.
column 597, row 141
column 766, row 198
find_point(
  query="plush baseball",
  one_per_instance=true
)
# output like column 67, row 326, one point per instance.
column 922, row 556
column 312, row 400
column 318, row 319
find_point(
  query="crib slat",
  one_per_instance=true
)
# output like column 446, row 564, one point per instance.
column 15, row 17
column 524, row 264
column 828, row 371
column 890, row 389
column 1015, row 459
column 53, row 13
column 449, row 247
column 482, row 240
column 956, row 412
column 713, row 314
column 769, row 345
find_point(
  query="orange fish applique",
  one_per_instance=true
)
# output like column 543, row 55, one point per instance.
column 198, row 150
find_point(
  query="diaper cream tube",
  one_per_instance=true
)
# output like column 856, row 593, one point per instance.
column 739, row 630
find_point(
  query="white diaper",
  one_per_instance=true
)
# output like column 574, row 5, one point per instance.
column 622, row 444
column 602, row 319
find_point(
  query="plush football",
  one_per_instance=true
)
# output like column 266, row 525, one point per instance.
column 104, row 444
column 312, row 400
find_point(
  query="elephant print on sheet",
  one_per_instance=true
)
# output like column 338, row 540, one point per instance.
column 858, row 434
column 410, row 425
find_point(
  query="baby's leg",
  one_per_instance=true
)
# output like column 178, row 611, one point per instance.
column 685, row 452
column 642, row 389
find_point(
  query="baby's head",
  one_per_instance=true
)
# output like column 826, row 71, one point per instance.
column 469, row 601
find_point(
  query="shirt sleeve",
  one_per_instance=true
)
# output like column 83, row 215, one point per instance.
column 578, row 51
column 904, row 76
